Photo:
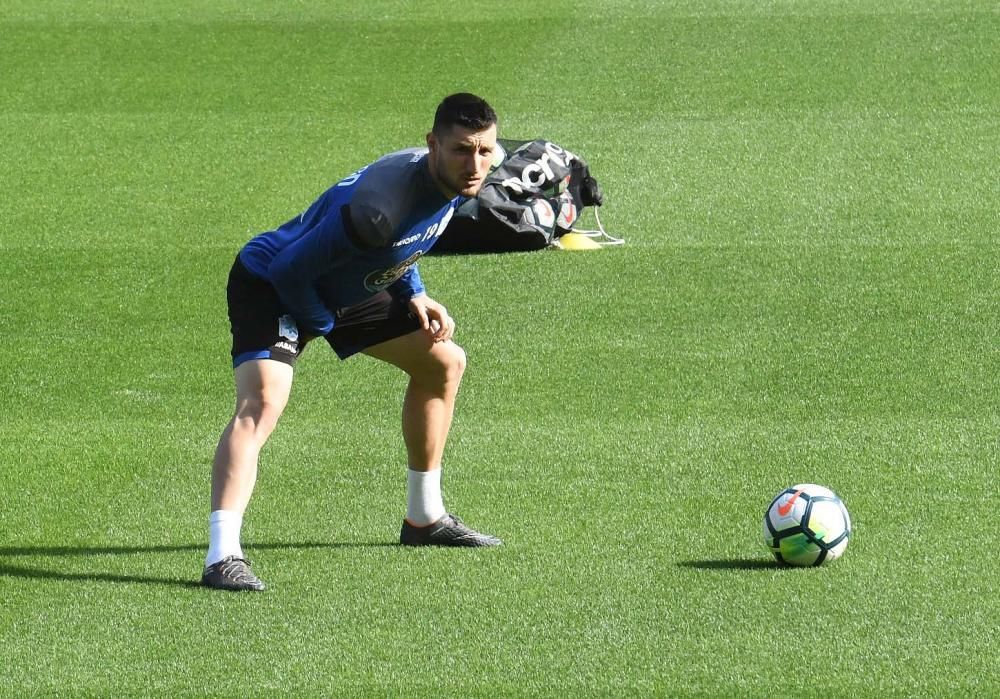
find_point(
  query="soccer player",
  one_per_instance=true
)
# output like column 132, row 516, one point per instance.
column 345, row 269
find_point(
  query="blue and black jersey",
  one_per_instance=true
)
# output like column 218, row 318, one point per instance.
column 361, row 236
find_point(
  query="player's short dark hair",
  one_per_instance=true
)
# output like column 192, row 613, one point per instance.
column 464, row 109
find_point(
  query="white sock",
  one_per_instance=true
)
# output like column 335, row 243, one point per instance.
column 223, row 536
column 424, row 504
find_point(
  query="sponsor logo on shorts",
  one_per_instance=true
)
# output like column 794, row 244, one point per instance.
column 287, row 328
column 287, row 346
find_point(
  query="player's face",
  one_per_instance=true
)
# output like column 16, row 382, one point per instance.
column 460, row 159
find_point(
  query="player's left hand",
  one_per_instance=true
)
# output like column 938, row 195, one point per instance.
column 434, row 318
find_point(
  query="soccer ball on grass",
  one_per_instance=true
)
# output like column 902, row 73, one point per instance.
column 806, row 525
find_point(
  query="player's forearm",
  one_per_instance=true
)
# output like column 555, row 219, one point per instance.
column 311, row 316
column 298, row 295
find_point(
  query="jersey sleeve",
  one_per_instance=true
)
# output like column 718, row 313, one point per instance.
column 367, row 225
column 373, row 220
column 294, row 271
column 407, row 286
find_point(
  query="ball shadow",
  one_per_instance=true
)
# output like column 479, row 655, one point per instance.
column 734, row 564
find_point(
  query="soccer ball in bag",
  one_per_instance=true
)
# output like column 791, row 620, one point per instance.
column 806, row 525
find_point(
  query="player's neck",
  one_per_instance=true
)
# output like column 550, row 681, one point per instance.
column 446, row 191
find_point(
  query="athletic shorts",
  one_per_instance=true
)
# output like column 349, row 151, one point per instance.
column 262, row 330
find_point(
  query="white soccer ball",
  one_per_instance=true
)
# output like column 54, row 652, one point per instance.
column 806, row 525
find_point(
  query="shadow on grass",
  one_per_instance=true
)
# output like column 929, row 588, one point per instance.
column 11, row 570
column 734, row 564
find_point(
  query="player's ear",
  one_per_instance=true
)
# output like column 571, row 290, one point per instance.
column 431, row 141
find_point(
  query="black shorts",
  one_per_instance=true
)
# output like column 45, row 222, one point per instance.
column 262, row 330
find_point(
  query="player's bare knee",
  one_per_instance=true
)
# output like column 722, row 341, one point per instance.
column 442, row 368
column 452, row 361
column 259, row 413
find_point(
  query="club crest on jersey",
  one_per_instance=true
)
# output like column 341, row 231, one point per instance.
column 380, row 279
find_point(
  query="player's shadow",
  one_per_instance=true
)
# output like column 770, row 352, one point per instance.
column 734, row 564
column 11, row 569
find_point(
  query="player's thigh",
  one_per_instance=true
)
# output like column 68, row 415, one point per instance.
column 420, row 357
column 263, row 386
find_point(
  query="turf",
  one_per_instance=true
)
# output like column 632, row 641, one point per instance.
column 809, row 292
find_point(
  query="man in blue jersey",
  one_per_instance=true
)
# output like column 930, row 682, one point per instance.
column 344, row 269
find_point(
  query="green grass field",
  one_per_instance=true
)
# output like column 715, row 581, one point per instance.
column 809, row 292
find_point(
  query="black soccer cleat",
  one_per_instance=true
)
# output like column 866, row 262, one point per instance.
column 447, row 531
column 231, row 573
